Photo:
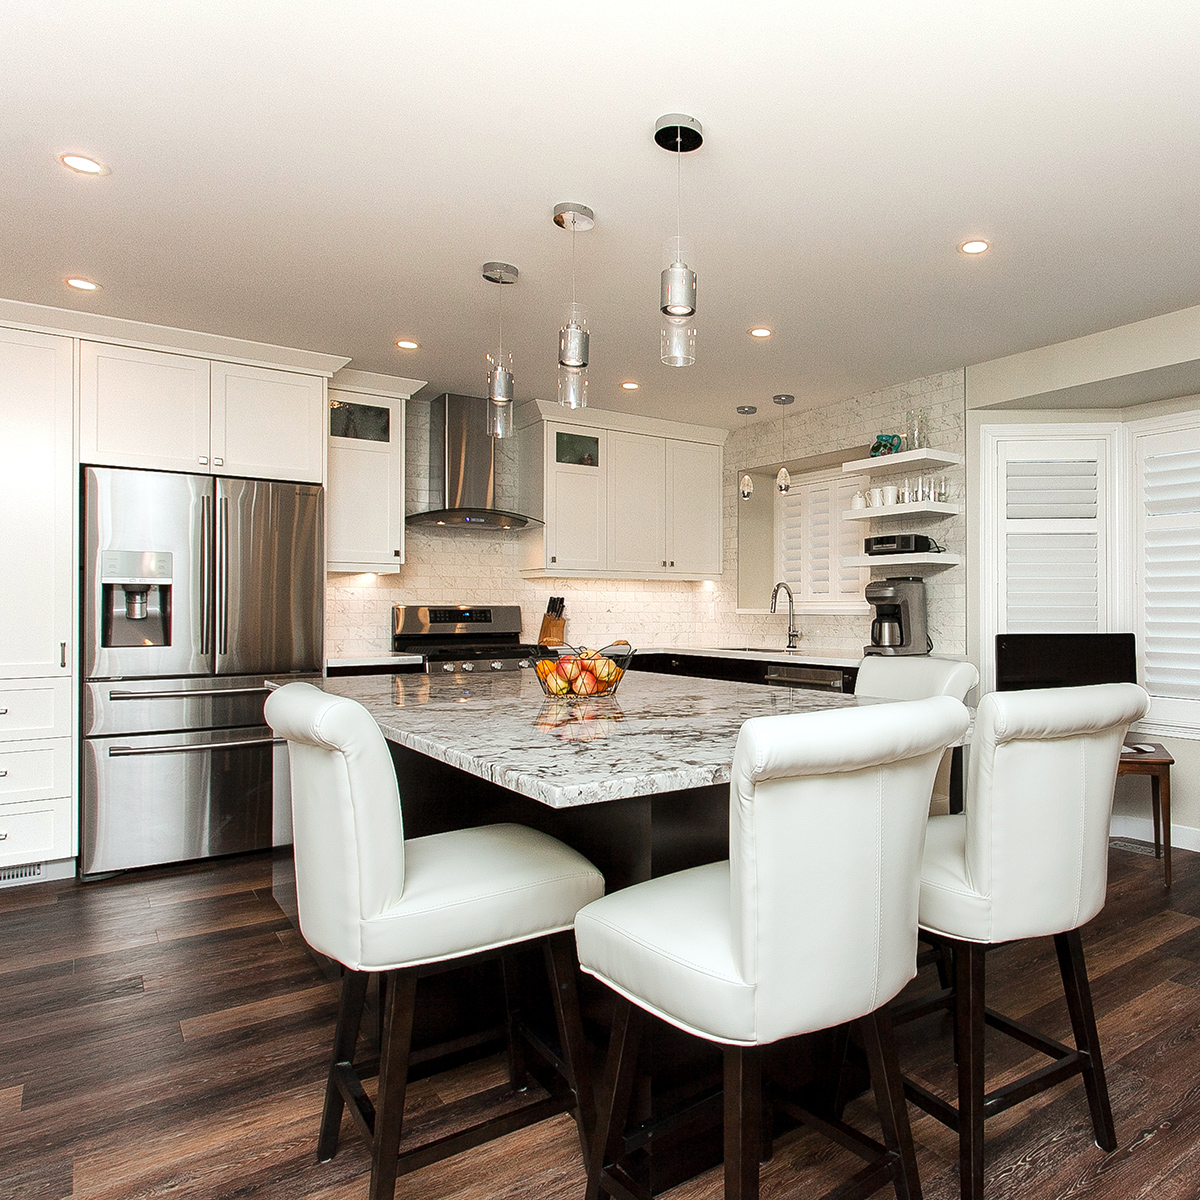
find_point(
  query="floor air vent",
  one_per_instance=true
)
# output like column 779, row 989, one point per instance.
column 28, row 871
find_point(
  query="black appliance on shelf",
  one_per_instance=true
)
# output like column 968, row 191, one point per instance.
column 462, row 637
column 1042, row 660
column 898, row 543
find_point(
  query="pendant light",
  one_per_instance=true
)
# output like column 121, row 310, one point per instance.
column 573, row 337
column 783, row 481
column 500, row 375
column 746, row 487
column 679, row 134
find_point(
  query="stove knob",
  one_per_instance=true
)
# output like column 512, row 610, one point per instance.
column 497, row 665
column 447, row 666
column 524, row 664
column 468, row 666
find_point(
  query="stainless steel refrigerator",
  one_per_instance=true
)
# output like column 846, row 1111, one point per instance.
column 195, row 590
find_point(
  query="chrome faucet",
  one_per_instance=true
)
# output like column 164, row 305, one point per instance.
column 793, row 632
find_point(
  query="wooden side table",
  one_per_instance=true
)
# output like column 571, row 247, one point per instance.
column 1158, row 766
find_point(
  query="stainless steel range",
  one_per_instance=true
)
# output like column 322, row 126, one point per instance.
column 462, row 637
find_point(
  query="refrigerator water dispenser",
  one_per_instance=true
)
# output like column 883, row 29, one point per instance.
column 135, row 598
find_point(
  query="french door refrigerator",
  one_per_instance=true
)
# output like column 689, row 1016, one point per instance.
column 195, row 590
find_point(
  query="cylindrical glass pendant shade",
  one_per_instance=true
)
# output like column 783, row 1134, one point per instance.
column 677, row 290
column 500, row 394
column 746, row 487
column 783, row 481
column 572, row 387
column 573, row 339
column 679, row 342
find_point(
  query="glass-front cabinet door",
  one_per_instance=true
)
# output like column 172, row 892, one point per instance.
column 575, row 499
column 365, row 501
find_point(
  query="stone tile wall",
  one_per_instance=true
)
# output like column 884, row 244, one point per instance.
column 482, row 566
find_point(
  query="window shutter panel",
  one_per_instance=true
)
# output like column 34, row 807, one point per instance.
column 814, row 541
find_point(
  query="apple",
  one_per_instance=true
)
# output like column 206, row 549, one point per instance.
column 556, row 685
column 604, row 669
column 586, row 684
column 569, row 668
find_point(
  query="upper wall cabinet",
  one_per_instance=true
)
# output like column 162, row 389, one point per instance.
column 173, row 412
column 365, row 508
column 622, row 497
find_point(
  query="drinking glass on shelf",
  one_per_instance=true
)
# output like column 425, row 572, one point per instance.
column 942, row 490
column 916, row 432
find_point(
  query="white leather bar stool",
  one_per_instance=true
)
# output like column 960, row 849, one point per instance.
column 811, row 923
column 913, row 677
column 1028, row 858
column 377, row 903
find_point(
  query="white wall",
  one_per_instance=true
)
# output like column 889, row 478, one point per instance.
column 482, row 566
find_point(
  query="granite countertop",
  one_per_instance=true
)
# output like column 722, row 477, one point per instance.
column 659, row 733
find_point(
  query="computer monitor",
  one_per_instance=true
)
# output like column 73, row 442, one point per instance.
column 1043, row 660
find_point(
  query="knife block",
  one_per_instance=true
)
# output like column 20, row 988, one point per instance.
column 551, row 633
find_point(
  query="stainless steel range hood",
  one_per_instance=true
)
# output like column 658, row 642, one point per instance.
column 462, row 456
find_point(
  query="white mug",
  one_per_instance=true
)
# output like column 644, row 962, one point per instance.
column 876, row 497
column 858, row 500
column 890, row 494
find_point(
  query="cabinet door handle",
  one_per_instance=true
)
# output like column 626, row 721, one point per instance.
column 3, row 712
column 672, row 562
column 218, row 462
column 554, row 558
column 2, row 774
column 62, row 647
column 203, row 460
column 3, row 837
column 395, row 553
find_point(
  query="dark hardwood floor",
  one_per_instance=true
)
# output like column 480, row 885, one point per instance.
column 165, row 1033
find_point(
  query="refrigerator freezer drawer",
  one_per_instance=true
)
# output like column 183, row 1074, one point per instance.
column 175, row 796
column 36, row 831
column 153, row 705
column 35, row 770
column 34, row 708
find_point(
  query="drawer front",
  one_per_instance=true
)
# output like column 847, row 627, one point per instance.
column 35, row 770
column 34, row 708
column 40, row 831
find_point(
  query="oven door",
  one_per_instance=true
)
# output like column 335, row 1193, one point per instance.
column 169, row 797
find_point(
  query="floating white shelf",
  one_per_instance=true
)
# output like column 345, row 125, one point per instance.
column 885, row 562
column 923, row 508
column 906, row 459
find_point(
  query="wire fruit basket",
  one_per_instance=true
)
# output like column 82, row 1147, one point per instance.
column 583, row 672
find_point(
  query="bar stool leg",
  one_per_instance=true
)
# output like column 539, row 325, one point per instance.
column 620, row 1070
column 969, row 961
column 561, row 968
column 393, row 1082
column 345, row 1041
column 888, row 1085
column 1160, row 785
column 518, row 1077
column 743, row 1121
column 1069, row 947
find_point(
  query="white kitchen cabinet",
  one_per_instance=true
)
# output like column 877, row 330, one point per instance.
column 636, row 502
column 267, row 424
column 622, row 497
column 365, row 500
column 37, row 831
column 35, row 708
column 175, row 412
column 37, row 506
column 143, row 408
column 693, row 500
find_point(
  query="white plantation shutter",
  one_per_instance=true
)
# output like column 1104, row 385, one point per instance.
column 1168, row 474
column 813, row 542
column 1052, row 537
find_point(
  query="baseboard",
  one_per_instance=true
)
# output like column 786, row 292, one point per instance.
column 1183, row 837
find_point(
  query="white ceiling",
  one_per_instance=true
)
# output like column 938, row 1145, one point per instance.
column 332, row 176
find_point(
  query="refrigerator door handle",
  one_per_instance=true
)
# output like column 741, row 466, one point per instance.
column 130, row 751
column 187, row 695
column 222, row 575
column 206, row 587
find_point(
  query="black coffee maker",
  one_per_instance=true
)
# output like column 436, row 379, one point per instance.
column 899, row 626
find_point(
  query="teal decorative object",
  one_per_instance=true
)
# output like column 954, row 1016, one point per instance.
column 886, row 443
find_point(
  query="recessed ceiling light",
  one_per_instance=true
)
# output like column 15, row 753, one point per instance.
column 760, row 331
column 747, row 410
column 83, row 285
column 974, row 246
column 630, row 385
column 408, row 344
column 82, row 164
